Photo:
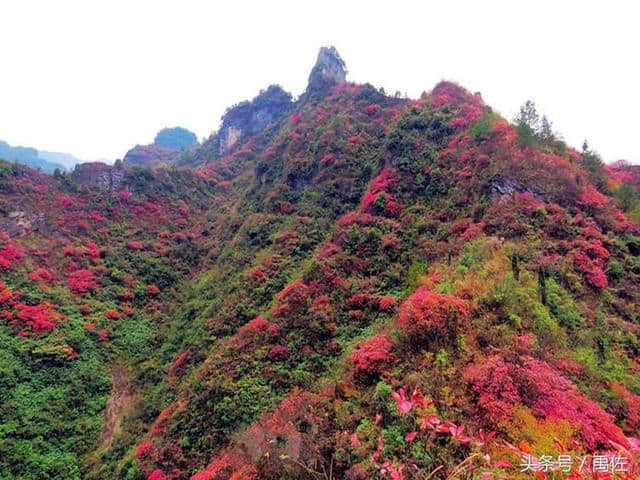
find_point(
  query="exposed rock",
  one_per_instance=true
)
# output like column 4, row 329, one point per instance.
column 328, row 70
column 247, row 118
column 99, row 175
column 150, row 156
column 18, row 223
column 500, row 186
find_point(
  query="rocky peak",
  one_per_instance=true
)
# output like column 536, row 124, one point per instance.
column 328, row 70
column 251, row 117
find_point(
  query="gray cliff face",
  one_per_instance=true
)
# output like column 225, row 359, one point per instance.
column 247, row 118
column 250, row 117
column 501, row 186
column 329, row 70
column 98, row 175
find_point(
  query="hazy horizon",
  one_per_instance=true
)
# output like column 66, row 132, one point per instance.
column 94, row 79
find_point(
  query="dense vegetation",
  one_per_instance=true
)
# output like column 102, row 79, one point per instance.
column 369, row 287
column 177, row 138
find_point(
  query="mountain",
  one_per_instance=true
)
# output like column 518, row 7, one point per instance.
column 177, row 138
column 167, row 148
column 31, row 157
column 66, row 160
column 348, row 285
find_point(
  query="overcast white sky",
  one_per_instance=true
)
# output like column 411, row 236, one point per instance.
column 94, row 78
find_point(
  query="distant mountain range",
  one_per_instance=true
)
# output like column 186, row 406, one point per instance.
column 44, row 161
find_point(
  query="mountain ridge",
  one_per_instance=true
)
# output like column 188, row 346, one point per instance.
column 361, row 287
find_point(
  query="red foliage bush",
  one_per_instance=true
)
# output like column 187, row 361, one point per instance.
column 40, row 318
column 387, row 303
column 426, row 313
column 144, row 449
column 258, row 275
column 631, row 414
column 592, row 198
column 294, row 298
column 82, row 281
column 41, row 275
column 495, row 389
column 152, row 289
column 112, row 314
column 224, row 467
column 178, row 366
column 278, row 352
column 9, row 254
column 97, row 216
column 592, row 269
column 66, row 201
column 372, row 355
column 135, row 245
column 157, row 474
column 93, row 250
column 499, row 384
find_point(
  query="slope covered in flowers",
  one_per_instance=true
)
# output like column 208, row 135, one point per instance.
column 371, row 287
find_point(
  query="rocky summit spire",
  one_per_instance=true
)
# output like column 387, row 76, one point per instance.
column 328, row 70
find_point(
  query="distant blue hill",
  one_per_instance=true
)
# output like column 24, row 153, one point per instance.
column 46, row 162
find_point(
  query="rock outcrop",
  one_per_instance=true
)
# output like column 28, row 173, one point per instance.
column 500, row 186
column 247, row 118
column 328, row 70
column 98, row 175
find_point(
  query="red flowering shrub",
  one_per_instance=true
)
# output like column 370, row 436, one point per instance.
column 592, row 269
column 630, row 413
column 39, row 318
column 222, row 467
column 258, row 275
column 293, row 299
column 278, row 352
column 127, row 295
column 66, row 201
column 90, row 326
column 426, row 313
column 104, row 335
column 97, row 216
column 387, row 303
column 152, row 290
column 495, row 390
column 135, row 245
column 499, row 385
column 82, row 281
column 144, row 449
column 112, row 314
column 129, row 311
column 41, row 275
column 178, row 366
column 278, row 439
column 93, row 250
column 592, row 198
column 9, row 254
column 157, row 474
column 372, row 355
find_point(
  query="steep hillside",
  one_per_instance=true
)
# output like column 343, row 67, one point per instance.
column 348, row 285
